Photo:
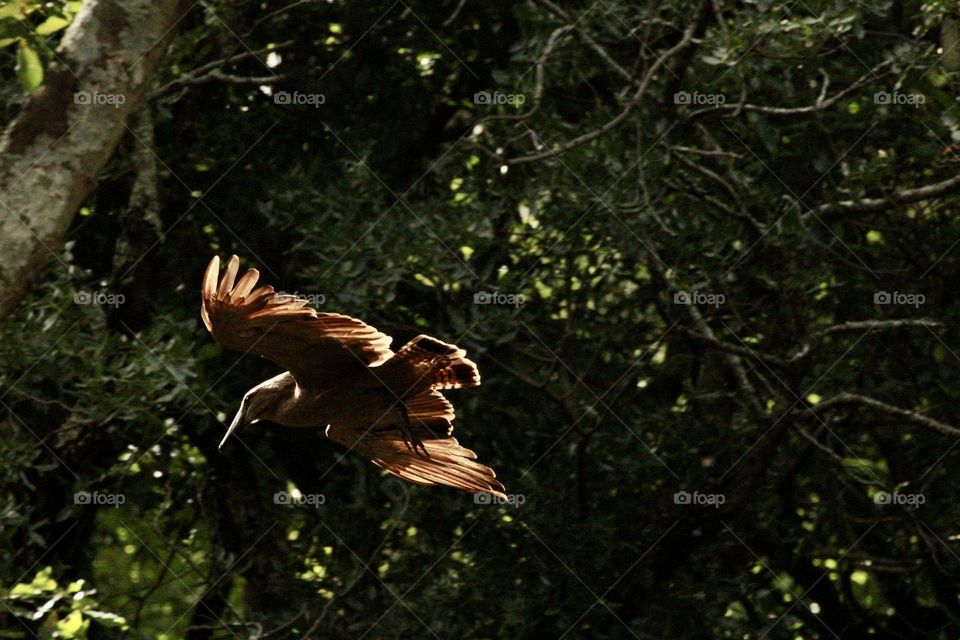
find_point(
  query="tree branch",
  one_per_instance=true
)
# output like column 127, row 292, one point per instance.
column 912, row 416
column 51, row 153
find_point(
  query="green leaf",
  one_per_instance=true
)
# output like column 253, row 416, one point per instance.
column 24, row 589
column 17, row 9
column 52, row 25
column 29, row 68
column 12, row 30
column 42, row 581
column 71, row 626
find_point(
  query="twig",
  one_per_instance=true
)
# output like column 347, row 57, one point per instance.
column 819, row 104
column 634, row 100
column 211, row 71
column 913, row 416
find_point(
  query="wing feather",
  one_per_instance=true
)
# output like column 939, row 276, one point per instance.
column 317, row 348
column 245, row 285
column 226, row 282
column 448, row 464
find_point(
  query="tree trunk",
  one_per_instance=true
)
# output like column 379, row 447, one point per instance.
column 51, row 153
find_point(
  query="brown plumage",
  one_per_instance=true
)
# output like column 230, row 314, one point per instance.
column 341, row 375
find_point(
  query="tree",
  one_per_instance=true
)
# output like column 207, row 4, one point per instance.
column 705, row 261
column 66, row 131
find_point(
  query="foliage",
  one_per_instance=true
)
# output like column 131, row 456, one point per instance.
column 28, row 25
column 772, row 461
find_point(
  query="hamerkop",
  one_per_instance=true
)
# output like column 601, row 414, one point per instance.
column 341, row 375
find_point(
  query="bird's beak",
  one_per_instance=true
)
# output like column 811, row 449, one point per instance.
column 238, row 420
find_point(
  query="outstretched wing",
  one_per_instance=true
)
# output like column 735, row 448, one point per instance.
column 446, row 463
column 317, row 348
column 437, row 457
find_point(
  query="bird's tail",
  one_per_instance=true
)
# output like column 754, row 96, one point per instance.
column 416, row 373
column 426, row 362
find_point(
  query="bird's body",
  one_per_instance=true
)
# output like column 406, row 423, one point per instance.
column 342, row 376
column 356, row 399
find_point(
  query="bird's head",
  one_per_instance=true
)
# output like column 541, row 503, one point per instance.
column 260, row 403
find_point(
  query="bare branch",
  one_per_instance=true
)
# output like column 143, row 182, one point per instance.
column 573, row 24
column 898, row 197
column 820, row 104
column 899, row 412
column 634, row 100
column 212, row 71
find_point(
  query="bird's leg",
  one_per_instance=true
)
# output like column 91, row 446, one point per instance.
column 406, row 431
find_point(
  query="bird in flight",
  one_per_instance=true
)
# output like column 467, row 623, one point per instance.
column 341, row 375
